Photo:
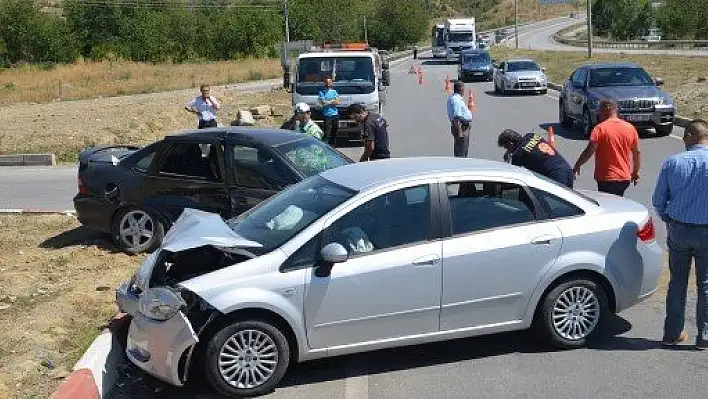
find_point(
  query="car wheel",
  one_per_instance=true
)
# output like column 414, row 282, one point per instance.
column 571, row 313
column 587, row 123
column 247, row 358
column 664, row 130
column 136, row 230
column 563, row 117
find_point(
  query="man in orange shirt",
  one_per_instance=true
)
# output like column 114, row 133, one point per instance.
column 612, row 142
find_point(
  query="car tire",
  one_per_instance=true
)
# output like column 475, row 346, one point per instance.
column 563, row 117
column 664, row 130
column 268, row 353
column 571, row 313
column 145, row 222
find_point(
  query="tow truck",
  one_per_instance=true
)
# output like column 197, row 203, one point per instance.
column 360, row 74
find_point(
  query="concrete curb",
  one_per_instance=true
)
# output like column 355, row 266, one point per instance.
column 97, row 371
column 679, row 121
column 28, row 160
column 67, row 212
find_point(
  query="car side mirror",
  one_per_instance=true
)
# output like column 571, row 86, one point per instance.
column 331, row 254
column 386, row 77
column 659, row 81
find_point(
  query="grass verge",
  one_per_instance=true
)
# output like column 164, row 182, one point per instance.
column 88, row 79
column 685, row 77
column 56, row 294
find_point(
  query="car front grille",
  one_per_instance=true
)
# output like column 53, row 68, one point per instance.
column 632, row 105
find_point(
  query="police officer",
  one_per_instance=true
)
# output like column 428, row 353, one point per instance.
column 533, row 152
column 374, row 132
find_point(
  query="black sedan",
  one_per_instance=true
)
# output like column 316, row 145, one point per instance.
column 136, row 193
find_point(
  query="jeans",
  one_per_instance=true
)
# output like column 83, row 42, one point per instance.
column 613, row 187
column 207, row 124
column 686, row 243
column 331, row 128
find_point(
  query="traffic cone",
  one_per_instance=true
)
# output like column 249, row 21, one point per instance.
column 448, row 84
column 471, row 103
column 420, row 75
column 552, row 136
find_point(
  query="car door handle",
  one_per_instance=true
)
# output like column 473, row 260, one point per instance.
column 542, row 241
column 427, row 261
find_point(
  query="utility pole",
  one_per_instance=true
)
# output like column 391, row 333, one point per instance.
column 287, row 23
column 589, row 18
column 516, row 23
column 366, row 34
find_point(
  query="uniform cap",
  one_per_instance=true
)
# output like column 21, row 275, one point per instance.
column 301, row 108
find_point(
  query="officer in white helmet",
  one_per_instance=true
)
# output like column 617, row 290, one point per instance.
column 304, row 123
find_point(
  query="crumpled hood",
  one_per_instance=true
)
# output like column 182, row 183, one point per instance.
column 195, row 228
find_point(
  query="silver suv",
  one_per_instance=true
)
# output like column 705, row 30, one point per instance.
column 638, row 97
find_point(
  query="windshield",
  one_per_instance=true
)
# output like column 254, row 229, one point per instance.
column 564, row 187
column 605, row 77
column 275, row 221
column 311, row 156
column 475, row 58
column 351, row 75
column 460, row 37
column 522, row 66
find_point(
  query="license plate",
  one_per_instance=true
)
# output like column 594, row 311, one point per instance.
column 478, row 74
column 528, row 84
column 637, row 117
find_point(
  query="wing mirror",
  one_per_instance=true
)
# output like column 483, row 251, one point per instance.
column 659, row 81
column 331, row 254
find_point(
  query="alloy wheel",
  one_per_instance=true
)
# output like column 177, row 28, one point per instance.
column 136, row 228
column 576, row 313
column 248, row 359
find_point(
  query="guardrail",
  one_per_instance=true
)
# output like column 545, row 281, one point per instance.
column 701, row 45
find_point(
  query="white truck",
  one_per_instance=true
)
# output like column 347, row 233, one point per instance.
column 359, row 74
column 437, row 41
column 460, row 35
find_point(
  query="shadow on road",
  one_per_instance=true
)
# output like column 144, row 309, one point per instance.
column 81, row 236
column 436, row 62
column 408, row 358
column 572, row 133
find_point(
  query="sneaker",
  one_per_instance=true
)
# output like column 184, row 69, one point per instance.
column 681, row 338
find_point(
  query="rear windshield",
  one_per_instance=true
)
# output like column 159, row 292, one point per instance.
column 555, row 183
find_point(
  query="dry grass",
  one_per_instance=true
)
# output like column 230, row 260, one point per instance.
column 684, row 76
column 85, row 79
column 58, row 279
column 529, row 10
column 64, row 128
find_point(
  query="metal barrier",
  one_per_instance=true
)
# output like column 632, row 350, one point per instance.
column 701, row 45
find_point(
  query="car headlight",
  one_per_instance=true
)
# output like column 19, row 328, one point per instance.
column 664, row 101
column 160, row 303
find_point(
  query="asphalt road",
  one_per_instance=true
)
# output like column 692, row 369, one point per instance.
column 626, row 362
column 542, row 39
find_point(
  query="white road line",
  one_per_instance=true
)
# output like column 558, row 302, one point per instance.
column 356, row 385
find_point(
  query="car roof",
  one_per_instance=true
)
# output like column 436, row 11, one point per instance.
column 366, row 175
column 267, row 136
column 612, row 65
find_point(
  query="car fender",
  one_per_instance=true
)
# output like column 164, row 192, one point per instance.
column 566, row 264
column 289, row 308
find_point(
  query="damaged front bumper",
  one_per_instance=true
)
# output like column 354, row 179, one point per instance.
column 127, row 298
column 162, row 348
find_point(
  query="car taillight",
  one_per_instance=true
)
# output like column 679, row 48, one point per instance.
column 82, row 186
column 647, row 232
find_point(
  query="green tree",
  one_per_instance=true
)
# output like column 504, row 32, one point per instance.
column 684, row 19
column 30, row 35
column 399, row 23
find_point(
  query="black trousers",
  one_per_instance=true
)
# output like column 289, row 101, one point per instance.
column 206, row 124
column 563, row 177
column 613, row 187
column 331, row 128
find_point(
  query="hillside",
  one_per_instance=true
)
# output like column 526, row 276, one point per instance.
column 495, row 13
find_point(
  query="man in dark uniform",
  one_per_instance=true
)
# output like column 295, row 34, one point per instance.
column 533, row 152
column 374, row 132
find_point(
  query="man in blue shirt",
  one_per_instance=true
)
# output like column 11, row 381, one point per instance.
column 681, row 200
column 329, row 98
column 460, row 119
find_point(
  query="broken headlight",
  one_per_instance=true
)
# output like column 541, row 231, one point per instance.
column 160, row 303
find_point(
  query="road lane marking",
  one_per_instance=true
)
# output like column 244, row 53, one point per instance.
column 356, row 385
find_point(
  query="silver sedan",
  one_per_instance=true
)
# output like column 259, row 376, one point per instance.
column 381, row 254
column 520, row 75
